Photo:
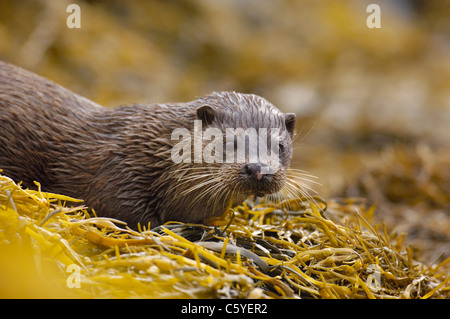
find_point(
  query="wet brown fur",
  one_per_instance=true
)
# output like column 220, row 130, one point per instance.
column 119, row 159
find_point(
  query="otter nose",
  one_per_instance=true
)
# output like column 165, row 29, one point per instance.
column 255, row 170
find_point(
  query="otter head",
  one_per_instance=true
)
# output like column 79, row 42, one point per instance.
column 241, row 146
column 256, row 139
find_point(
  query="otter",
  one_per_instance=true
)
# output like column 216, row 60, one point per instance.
column 118, row 159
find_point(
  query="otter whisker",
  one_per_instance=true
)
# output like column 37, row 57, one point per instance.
column 305, row 194
column 205, row 168
column 300, row 184
column 195, row 179
column 191, row 189
column 210, row 190
column 303, row 176
column 188, row 171
column 290, row 192
column 296, row 144
column 301, row 172
column 189, row 178
column 299, row 179
column 293, row 190
column 221, row 195
column 296, row 188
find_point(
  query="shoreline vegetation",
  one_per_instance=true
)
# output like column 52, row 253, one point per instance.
column 294, row 249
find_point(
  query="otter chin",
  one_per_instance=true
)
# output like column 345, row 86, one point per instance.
column 120, row 160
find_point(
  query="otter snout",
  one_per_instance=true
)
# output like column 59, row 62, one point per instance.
column 256, row 171
column 259, row 178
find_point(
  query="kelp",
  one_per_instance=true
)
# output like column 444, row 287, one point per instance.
column 259, row 249
column 411, row 187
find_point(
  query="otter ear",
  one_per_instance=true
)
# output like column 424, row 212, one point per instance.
column 206, row 113
column 289, row 120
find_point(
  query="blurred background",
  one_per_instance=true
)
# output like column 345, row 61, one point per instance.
column 373, row 105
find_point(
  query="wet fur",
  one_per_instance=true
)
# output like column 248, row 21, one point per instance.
column 118, row 159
